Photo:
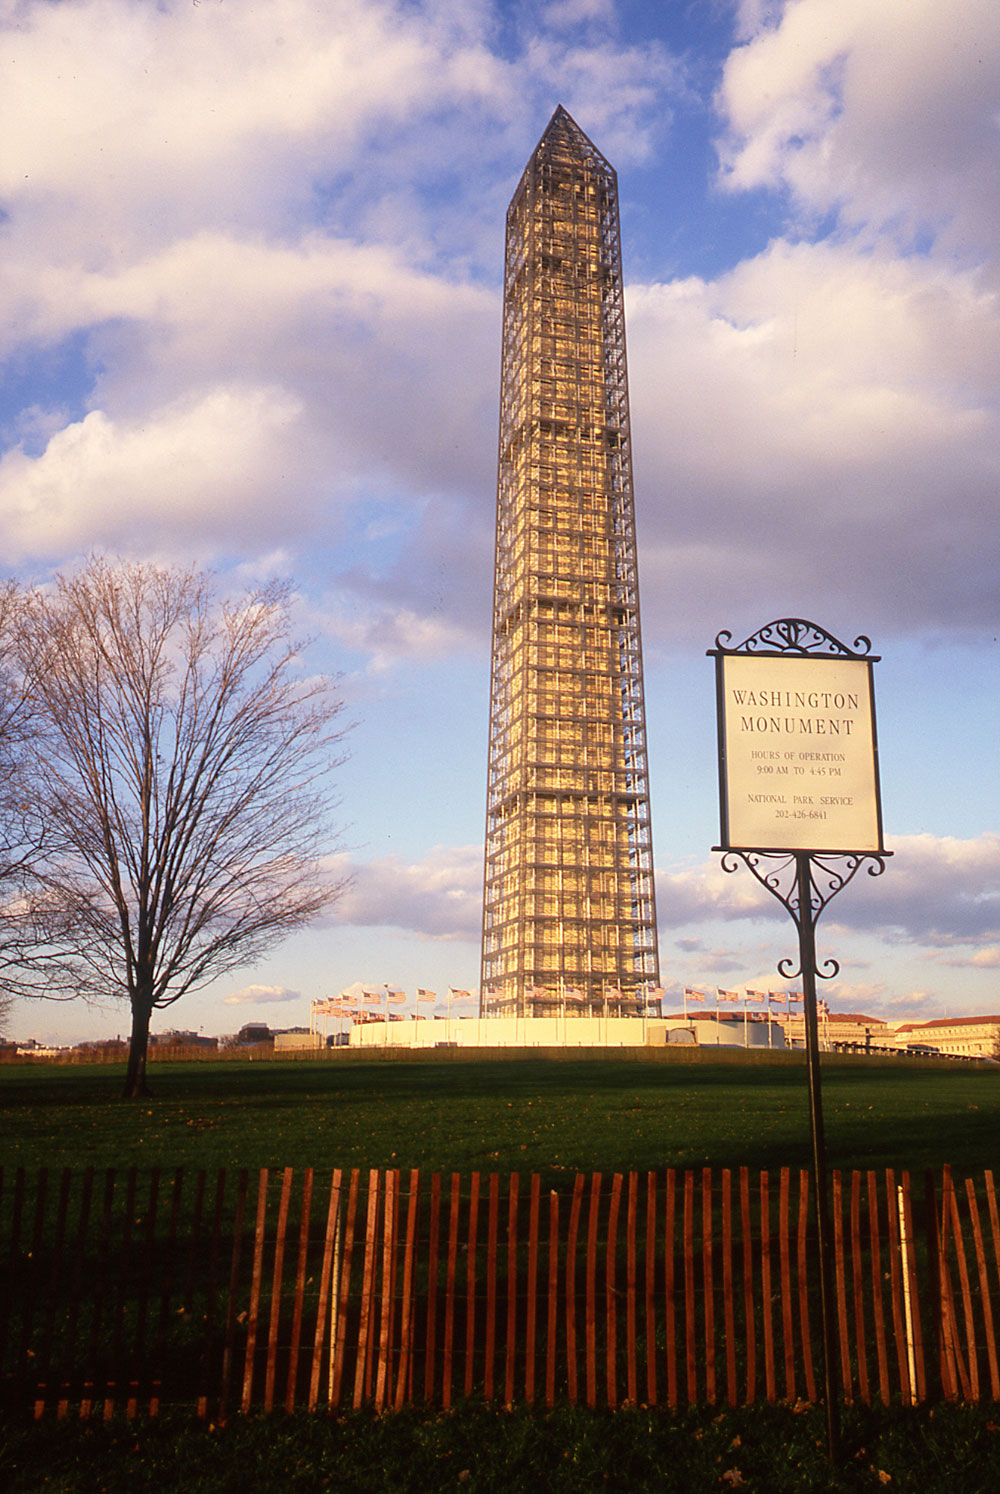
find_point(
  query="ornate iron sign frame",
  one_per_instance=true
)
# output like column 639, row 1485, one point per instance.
column 804, row 881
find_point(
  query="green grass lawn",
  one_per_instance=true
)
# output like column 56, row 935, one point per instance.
column 764, row 1449
column 526, row 1115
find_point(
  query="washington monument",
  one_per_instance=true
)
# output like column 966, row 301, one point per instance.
column 569, row 918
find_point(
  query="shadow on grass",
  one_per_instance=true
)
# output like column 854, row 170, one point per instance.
column 522, row 1114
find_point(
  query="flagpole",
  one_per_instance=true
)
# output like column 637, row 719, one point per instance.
column 746, row 1043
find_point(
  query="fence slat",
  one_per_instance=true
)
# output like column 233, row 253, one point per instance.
column 242, row 1185
column 984, row 1288
column 531, row 1306
column 803, row 1276
column 941, row 1314
column 571, row 1238
column 368, row 1273
column 765, row 1286
column 650, row 1284
column 145, row 1285
column 449, row 1292
column 991, row 1201
column 101, row 1277
column 68, row 1368
column 610, row 1292
column 338, row 1348
column 590, row 1308
column 255, row 1283
column 166, row 1291
column 784, row 1257
column 325, row 1282
column 391, row 1197
column 52, row 1295
column 116, row 1367
column 690, row 1343
column 430, row 1330
column 305, row 1209
column 860, row 1346
column 7, row 1298
column 553, row 1282
column 29, row 1290
column 279, row 1262
column 511, row 1344
column 949, row 1313
column 914, row 1322
column 728, row 1300
column 491, row 1283
column 195, row 1238
column 895, row 1285
column 470, row 1283
column 407, row 1313
column 631, row 1379
column 877, row 1306
column 750, row 1327
column 708, row 1283
column 211, row 1293
column 670, row 1305
column 972, row 1391
column 840, row 1278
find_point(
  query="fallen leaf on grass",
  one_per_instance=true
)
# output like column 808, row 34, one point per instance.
column 734, row 1478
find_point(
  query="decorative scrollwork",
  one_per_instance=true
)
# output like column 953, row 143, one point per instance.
column 778, row 871
column 794, row 635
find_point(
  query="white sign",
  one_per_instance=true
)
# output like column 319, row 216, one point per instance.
column 798, row 760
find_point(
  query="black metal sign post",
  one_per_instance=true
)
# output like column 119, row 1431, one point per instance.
column 801, row 808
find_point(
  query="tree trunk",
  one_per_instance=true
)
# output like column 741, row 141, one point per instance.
column 135, row 1074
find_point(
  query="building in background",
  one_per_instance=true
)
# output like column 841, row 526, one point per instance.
column 957, row 1037
column 569, row 919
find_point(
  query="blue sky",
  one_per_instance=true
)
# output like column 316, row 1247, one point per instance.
column 251, row 317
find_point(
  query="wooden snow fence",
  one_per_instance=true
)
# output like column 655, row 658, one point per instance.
column 127, row 1292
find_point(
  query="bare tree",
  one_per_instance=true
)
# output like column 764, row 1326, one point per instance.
column 185, row 765
column 27, row 964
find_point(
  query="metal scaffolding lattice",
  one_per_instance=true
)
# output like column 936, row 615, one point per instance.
column 569, row 918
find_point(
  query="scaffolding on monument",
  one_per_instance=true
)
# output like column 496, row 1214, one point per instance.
column 569, row 920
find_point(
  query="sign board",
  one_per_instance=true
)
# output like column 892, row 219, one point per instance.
column 798, row 759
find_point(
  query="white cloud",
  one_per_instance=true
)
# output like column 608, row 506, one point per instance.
column 936, row 891
column 168, row 115
column 390, row 636
column 820, row 425
column 885, row 113
column 439, row 897
column 133, row 484
column 261, row 996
